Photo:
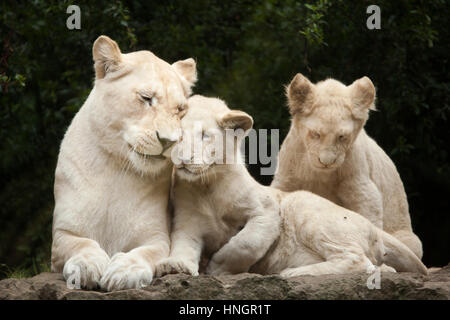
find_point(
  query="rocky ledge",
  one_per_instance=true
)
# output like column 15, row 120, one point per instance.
column 436, row 285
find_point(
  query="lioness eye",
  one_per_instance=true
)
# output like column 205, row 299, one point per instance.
column 150, row 101
column 341, row 137
column 315, row 134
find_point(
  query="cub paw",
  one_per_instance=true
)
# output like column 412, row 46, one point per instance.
column 175, row 265
column 217, row 269
column 386, row 268
column 85, row 270
column 300, row 271
column 126, row 272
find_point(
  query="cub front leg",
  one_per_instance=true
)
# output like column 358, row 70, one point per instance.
column 246, row 247
column 78, row 258
column 336, row 266
column 133, row 269
column 186, row 248
column 361, row 195
column 339, row 265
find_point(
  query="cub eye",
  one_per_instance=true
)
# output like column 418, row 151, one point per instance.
column 314, row 134
column 181, row 108
column 150, row 101
column 206, row 136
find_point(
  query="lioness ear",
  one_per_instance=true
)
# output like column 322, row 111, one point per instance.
column 107, row 56
column 187, row 69
column 300, row 94
column 363, row 97
column 236, row 119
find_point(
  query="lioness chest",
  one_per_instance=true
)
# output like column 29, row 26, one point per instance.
column 118, row 211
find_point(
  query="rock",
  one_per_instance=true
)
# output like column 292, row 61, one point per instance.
column 436, row 285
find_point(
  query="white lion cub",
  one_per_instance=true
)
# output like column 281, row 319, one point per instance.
column 222, row 211
column 112, row 180
column 328, row 153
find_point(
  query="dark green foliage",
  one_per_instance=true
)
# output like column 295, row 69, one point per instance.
column 246, row 52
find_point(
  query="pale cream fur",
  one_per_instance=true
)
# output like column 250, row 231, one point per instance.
column 328, row 153
column 220, row 210
column 113, row 178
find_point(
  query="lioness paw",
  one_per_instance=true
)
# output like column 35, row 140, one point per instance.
column 175, row 265
column 88, row 268
column 126, row 272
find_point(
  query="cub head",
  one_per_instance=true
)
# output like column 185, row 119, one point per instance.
column 137, row 104
column 328, row 116
column 211, row 138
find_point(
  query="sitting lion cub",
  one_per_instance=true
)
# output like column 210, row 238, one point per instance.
column 328, row 153
column 112, row 180
column 222, row 211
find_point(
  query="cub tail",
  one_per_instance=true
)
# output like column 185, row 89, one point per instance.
column 399, row 256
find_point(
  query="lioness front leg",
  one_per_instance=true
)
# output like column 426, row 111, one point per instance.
column 186, row 248
column 362, row 196
column 246, row 247
column 80, row 257
column 133, row 269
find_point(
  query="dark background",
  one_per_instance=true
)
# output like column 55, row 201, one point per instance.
column 246, row 51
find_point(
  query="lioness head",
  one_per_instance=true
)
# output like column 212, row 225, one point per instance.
column 211, row 138
column 328, row 116
column 137, row 103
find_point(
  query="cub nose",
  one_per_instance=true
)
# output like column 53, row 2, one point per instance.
column 166, row 143
column 186, row 159
column 327, row 158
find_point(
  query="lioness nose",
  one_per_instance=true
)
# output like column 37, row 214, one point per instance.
column 327, row 158
column 166, row 143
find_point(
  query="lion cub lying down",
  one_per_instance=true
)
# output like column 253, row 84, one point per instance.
column 222, row 211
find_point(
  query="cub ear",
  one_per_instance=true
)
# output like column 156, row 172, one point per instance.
column 236, row 119
column 187, row 69
column 300, row 94
column 107, row 56
column 363, row 97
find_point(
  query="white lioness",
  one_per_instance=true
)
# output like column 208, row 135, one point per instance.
column 112, row 180
column 221, row 210
column 328, row 153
